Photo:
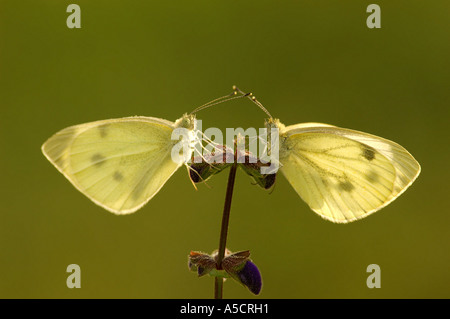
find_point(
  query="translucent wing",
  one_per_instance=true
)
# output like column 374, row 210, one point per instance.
column 119, row 164
column 344, row 175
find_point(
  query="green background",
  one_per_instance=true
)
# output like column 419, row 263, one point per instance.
column 304, row 60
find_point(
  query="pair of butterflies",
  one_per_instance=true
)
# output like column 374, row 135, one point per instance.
column 342, row 174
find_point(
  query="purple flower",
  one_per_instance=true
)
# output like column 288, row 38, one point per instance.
column 237, row 265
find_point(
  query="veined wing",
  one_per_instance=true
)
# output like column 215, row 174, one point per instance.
column 119, row 164
column 344, row 175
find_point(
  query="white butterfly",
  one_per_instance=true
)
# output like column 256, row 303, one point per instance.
column 342, row 174
column 120, row 164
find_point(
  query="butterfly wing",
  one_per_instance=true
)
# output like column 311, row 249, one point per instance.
column 344, row 175
column 119, row 164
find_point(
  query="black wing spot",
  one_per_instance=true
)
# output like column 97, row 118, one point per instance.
column 103, row 130
column 372, row 177
column 98, row 159
column 368, row 153
column 118, row 176
column 346, row 186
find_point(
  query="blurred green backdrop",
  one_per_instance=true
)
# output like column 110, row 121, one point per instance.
column 304, row 60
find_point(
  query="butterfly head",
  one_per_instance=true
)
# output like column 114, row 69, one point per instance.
column 187, row 121
column 273, row 123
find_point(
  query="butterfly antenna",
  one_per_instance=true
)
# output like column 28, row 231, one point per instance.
column 236, row 94
column 233, row 95
column 252, row 98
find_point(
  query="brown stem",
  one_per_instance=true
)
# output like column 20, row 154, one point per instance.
column 224, row 230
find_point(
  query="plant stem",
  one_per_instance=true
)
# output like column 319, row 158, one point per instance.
column 218, row 285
